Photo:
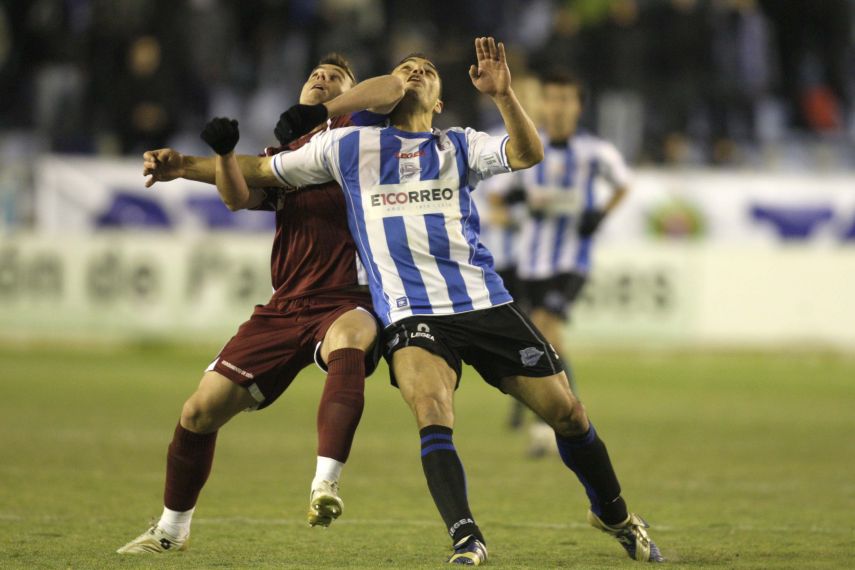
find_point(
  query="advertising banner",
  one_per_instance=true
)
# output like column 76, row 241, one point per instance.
column 139, row 285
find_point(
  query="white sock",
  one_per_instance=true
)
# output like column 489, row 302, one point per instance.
column 327, row 470
column 176, row 523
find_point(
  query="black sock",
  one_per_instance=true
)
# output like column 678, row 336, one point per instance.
column 447, row 482
column 587, row 457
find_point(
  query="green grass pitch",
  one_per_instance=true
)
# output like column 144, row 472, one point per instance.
column 737, row 460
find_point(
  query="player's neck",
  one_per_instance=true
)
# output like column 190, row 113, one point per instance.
column 412, row 121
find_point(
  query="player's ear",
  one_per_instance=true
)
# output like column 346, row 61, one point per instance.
column 437, row 109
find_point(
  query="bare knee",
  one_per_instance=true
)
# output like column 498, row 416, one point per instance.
column 355, row 329
column 427, row 384
column 214, row 403
column 198, row 417
column 433, row 409
column 570, row 420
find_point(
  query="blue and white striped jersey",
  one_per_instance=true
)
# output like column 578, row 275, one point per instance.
column 410, row 212
column 561, row 188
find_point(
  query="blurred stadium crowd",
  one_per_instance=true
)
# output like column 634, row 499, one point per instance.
column 761, row 83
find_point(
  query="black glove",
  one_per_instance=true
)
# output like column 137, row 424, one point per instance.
column 590, row 221
column 221, row 134
column 299, row 120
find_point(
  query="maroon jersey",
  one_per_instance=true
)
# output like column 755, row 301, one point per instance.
column 313, row 251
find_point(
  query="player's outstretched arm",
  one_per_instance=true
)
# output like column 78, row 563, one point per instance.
column 378, row 94
column 165, row 164
column 492, row 77
column 222, row 135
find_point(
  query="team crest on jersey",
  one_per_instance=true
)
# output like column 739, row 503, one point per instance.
column 408, row 169
column 529, row 356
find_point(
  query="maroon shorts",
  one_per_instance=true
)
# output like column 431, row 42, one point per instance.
column 280, row 339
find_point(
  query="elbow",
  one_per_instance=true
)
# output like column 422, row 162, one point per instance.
column 235, row 205
column 525, row 156
column 529, row 159
column 537, row 155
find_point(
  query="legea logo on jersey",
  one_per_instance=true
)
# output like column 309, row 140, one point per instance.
column 414, row 198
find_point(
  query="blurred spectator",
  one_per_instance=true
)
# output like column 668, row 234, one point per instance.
column 13, row 77
column 679, row 66
column 741, row 74
column 564, row 46
column 619, row 45
column 814, row 41
column 146, row 99
column 673, row 81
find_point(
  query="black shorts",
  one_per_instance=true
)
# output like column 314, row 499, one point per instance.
column 555, row 294
column 498, row 342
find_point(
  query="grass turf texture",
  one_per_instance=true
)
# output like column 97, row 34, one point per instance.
column 738, row 460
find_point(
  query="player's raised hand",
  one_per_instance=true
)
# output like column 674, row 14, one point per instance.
column 299, row 120
column 162, row 165
column 221, row 134
column 491, row 75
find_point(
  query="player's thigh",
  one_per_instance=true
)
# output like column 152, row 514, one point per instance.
column 215, row 401
column 550, row 324
column 356, row 328
column 426, row 383
column 550, row 398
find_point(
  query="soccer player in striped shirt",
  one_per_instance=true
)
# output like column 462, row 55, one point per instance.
column 556, row 239
column 407, row 188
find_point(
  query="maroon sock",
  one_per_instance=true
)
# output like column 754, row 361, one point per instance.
column 188, row 464
column 341, row 403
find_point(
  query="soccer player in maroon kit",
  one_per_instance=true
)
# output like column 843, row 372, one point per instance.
column 319, row 311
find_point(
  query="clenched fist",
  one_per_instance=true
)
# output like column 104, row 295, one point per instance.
column 221, row 134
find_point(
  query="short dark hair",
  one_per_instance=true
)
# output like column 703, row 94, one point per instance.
column 338, row 60
column 420, row 55
column 413, row 55
column 562, row 76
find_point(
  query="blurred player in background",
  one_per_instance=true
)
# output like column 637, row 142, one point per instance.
column 319, row 311
column 557, row 236
column 434, row 287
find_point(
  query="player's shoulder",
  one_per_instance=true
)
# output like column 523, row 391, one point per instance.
column 465, row 131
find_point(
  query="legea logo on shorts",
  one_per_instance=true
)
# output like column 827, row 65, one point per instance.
column 422, row 331
column 414, row 198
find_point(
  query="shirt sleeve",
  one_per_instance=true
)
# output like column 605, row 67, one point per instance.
column 487, row 154
column 614, row 169
column 306, row 166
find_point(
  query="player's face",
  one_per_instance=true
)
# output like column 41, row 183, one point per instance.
column 326, row 82
column 421, row 80
column 561, row 108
